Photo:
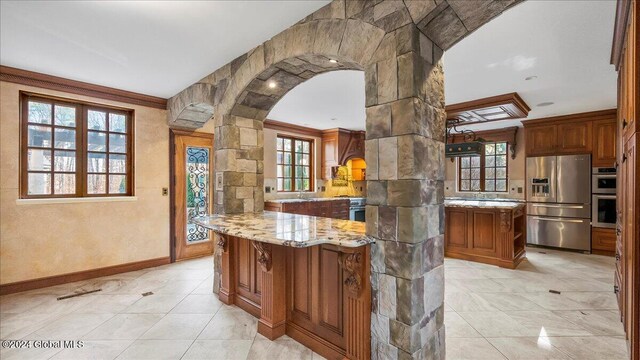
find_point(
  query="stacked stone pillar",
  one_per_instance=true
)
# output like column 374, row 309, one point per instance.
column 405, row 194
column 239, row 159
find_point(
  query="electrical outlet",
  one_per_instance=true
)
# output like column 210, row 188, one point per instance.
column 519, row 189
column 165, row 191
column 267, row 189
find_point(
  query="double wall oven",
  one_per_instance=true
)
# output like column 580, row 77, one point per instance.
column 603, row 197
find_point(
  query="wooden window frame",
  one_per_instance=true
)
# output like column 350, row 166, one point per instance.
column 293, row 163
column 483, row 171
column 82, row 153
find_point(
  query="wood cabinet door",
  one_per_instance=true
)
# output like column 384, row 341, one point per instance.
column 629, row 84
column 330, row 154
column 541, row 140
column 483, row 225
column 456, row 234
column 575, row 137
column 604, row 143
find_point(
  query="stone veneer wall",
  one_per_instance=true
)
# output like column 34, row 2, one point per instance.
column 399, row 45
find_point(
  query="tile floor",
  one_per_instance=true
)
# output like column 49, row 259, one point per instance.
column 490, row 313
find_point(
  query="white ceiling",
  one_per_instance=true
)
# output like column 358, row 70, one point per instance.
column 566, row 44
column 159, row 48
column 151, row 47
column 329, row 100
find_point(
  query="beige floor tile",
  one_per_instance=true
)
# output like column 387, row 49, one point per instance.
column 178, row 287
column 592, row 347
column 124, row 327
column 471, row 349
column 230, row 323
column 546, row 323
column 108, row 304
column 457, row 327
column 218, row 350
column 531, row 348
column 19, row 303
column 70, row 327
column 17, row 326
column 156, row 350
column 476, row 285
column 594, row 300
column 550, row 301
column 468, row 302
column 178, row 327
column 54, row 306
column 198, row 304
column 205, row 287
column 597, row 322
column 508, row 301
column 155, row 304
column 496, row 324
column 28, row 354
column 264, row 349
column 94, row 349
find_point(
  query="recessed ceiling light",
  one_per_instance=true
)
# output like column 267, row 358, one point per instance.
column 272, row 84
column 333, row 61
column 531, row 77
column 546, row 103
column 333, row 119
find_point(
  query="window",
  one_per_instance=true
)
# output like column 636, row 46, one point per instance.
column 72, row 149
column 487, row 172
column 293, row 164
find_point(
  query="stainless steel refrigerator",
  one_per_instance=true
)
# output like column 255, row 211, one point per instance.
column 559, row 201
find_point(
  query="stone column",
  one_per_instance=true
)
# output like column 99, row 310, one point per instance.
column 405, row 194
column 239, row 159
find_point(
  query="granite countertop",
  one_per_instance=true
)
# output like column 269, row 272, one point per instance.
column 283, row 201
column 492, row 204
column 288, row 229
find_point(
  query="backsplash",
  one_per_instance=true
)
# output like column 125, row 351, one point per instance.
column 514, row 185
column 355, row 189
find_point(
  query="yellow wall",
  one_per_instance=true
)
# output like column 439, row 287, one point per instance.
column 515, row 173
column 52, row 239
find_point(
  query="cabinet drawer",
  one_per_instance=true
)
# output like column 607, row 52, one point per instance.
column 603, row 240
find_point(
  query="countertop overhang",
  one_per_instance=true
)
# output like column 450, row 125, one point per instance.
column 297, row 200
column 288, row 229
column 487, row 204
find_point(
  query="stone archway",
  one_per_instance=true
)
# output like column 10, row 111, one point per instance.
column 399, row 45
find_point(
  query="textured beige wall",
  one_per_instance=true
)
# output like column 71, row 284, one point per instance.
column 52, row 239
column 515, row 173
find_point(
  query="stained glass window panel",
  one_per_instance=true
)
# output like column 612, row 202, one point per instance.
column 197, row 191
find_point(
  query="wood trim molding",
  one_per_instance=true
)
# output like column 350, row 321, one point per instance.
column 80, row 275
column 619, row 31
column 30, row 78
column 291, row 128
column 586, row 116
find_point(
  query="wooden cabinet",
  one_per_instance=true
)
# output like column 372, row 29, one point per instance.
column 334, row 208
column 574, row 137
column 338, row 146
column 541, row 140
column 626, row 58
column 584, row 133
column 604, row 143
column 487, row 235
column 603, row 241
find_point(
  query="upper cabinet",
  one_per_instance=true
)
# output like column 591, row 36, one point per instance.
column 339, row 146
column 604, row 143
column 541, row 140
column 585, row 133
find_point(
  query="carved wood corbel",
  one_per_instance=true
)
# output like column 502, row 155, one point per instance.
column 264, row 255
column 222, row 241
column 505, row 221
column 352, row 262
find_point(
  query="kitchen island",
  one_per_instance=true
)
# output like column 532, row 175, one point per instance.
column 303, row 276
column 486, row 231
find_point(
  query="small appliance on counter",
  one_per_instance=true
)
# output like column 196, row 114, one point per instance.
column 603, row 197
column 559, row 201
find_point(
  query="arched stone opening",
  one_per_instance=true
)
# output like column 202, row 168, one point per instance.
column 399, row 45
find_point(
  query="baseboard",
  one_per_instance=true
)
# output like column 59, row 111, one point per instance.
column 80, row 275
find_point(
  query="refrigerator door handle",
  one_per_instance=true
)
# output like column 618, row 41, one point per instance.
column 558, row 220
column 559, row 206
